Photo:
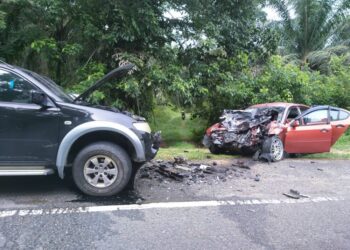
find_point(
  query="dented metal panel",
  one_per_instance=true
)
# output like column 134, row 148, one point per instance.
column 242, row 129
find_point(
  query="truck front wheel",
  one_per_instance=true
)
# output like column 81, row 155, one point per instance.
column 102, row 169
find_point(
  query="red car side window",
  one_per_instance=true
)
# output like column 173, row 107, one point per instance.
column 316, row 117
column 338, row 115
column 334, row 114
column 343, row 115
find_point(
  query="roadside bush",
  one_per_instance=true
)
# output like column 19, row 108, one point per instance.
column 233, row 83
column 213, row 82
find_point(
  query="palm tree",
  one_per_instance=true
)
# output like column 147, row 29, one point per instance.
column 309, row 25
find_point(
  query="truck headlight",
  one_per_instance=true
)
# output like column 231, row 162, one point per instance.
column 142, row 126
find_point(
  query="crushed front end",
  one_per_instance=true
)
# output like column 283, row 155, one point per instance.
column 240, row 130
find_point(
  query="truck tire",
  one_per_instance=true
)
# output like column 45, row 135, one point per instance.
column 102, row 169
column 274, row 147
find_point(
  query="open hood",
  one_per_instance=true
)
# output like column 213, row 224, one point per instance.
column 113, row 75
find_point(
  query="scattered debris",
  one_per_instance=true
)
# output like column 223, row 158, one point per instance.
column 144, row 174
column 241, row 164
column 294, row 194
column 312, row 162
column 170, row 172
column 139, row 201
column 291, row 166
column 257, row 178
column 180, row 160
column 181, row 170
column 266, row 156
column 319, row 169
column 257, row 155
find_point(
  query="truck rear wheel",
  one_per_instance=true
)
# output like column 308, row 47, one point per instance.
column 102, row 169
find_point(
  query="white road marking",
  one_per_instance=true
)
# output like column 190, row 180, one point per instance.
column 169, row 205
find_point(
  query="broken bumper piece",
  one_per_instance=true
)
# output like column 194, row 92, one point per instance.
column 152, row 144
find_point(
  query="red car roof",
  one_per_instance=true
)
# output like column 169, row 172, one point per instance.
column 277, row 104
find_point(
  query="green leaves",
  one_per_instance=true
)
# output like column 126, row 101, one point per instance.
column 217, row 55
column 313, row 25
column 2, row 20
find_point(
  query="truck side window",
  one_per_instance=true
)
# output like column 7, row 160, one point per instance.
column 14, row 88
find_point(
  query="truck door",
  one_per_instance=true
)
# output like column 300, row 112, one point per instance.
column 28, row 132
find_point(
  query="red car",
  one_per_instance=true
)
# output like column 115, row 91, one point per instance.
column 270, row 130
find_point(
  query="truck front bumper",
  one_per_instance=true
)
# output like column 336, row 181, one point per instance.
column 152, row 144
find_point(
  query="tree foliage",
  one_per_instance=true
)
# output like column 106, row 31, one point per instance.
column 216, row 55
column 313, row 24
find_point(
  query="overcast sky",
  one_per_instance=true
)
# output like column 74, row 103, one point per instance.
column 271, row 14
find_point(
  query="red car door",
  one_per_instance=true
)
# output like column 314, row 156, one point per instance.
column 313, row 134
column 340, row 122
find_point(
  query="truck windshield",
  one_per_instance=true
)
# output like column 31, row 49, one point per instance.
column 50, row 84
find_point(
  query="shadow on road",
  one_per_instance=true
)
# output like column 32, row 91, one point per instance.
column 49, row 187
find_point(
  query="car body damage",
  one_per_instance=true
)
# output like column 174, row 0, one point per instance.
column 273, row 129
column 242, row 129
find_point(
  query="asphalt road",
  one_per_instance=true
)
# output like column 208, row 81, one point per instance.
column 240, row 212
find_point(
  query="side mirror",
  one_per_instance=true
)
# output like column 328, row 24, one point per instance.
column 37, row 97
column 295, row 123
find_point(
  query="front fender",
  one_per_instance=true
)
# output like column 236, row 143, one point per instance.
column 94, row 126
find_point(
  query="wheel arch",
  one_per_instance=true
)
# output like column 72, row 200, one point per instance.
column 91, row 132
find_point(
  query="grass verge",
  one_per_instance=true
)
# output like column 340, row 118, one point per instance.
column 174, row 129
column 181, row 137
column 189, row 151
column 340, row 151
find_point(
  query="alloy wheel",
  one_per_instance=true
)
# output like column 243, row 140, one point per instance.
column 100, row 171
column 277, row 149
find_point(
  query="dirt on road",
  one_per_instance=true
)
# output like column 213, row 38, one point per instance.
column 163, row 181
column 221, row 179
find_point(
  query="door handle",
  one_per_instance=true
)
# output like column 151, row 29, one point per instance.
column 324, row 130
column 340, row 126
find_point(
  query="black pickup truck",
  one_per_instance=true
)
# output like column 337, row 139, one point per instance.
column 43, row 130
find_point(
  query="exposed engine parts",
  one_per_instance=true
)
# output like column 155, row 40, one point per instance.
column 241, row 130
